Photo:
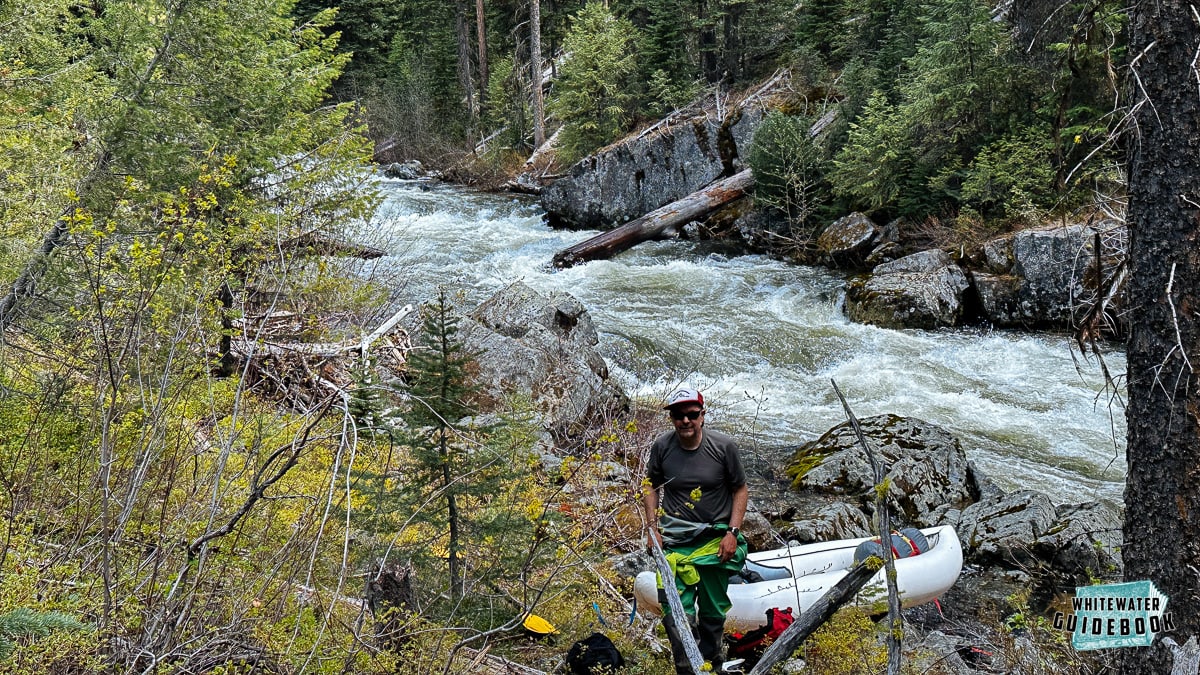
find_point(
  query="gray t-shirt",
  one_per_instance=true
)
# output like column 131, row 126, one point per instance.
column 697, row 485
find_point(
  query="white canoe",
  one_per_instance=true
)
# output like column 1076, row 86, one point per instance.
column 809, row 570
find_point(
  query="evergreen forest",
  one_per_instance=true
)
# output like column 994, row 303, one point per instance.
column 960, row 111
column 179, row 178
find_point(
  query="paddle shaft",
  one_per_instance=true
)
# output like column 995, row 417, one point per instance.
column 682, row 626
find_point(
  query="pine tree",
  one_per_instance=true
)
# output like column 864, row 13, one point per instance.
column 664, row 40
column 870, row 168
column 466, row 482
column 913, row 146
column 535, row 73
column 367, row 28
column 592, row 97
column 1162, row 530
column 367, row 399
column 789, row 166
column 438, row 389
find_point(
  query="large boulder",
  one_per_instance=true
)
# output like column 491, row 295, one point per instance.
column 543, row 348
column 999, row 298
column 850, row 240
column 1046, row 278
column 838, row 520
column 1084, row 543
column 410, row 170
column 922, row 290
column 1003, row 528
column 634, row 177
column 927, row 471
column 1071, row 545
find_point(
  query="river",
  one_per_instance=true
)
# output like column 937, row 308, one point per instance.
column 763, row 339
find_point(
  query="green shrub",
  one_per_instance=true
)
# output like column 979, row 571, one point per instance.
column 1012, row 176
column 846, row 645
column 870, row 168
column 789, row 168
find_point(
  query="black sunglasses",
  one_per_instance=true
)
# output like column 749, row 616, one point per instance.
column 694, row 415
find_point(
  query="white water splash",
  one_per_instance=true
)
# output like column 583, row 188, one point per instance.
column 764, row 339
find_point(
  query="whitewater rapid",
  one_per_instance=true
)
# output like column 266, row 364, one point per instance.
column 763, row 339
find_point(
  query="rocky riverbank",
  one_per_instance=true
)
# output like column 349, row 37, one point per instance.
column 1060, row 276
column 1022, row 551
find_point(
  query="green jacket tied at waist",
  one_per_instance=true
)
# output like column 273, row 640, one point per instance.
column 684, row 560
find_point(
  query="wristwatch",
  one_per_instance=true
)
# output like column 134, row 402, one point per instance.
column 734, row 531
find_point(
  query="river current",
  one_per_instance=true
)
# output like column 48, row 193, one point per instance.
column 763, row 339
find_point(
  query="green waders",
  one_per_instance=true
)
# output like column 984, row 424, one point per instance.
column 703, row 583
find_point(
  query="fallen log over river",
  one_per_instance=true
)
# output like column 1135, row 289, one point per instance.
column 655, row 224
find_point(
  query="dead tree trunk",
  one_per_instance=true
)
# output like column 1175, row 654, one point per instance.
column 481, row 39
column 883, row 523
column 819, row 613
column 654, row 224
column 462, row 33
column 535, row 67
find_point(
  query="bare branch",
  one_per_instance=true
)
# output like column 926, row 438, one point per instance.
column 1175, row 322
column 895, row 623
column 290, row 454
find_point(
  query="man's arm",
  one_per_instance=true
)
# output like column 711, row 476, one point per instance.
column 741, row 497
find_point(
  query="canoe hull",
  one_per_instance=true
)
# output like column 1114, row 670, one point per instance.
column 815, row 568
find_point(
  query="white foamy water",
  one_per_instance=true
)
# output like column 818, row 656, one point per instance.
column 763, row 340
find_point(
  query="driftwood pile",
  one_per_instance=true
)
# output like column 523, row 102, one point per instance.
column 303, row 373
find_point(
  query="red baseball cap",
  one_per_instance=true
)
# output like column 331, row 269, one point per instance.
column 684, row 394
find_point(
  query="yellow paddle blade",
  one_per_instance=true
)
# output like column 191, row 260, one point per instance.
column 536, row 624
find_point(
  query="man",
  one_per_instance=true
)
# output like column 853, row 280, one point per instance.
column 703, row 504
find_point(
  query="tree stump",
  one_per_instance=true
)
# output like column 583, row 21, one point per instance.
column 390, row 598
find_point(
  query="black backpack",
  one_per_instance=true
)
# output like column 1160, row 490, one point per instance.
column 593, row 655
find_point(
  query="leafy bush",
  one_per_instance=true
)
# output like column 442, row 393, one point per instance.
column 846, row 645
column 789, row 168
